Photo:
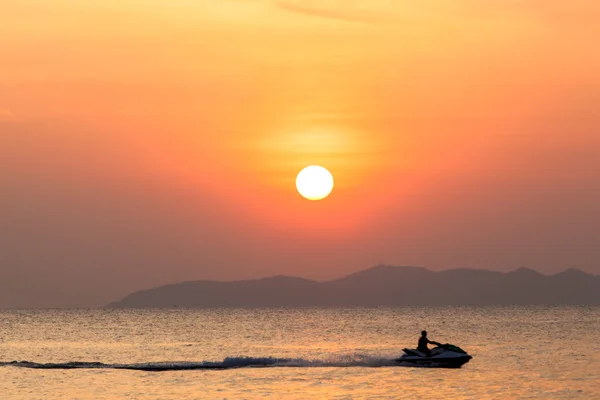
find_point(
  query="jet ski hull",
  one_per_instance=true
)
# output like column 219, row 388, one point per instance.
column 443, row 356
column 433, row 362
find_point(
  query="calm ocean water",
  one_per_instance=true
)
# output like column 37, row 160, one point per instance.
column 520, row 352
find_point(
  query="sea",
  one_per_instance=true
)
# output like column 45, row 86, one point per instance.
column 297, row 353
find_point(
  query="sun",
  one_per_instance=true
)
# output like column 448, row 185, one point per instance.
column 314, row 182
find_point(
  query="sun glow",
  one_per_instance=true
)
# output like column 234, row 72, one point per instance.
column 314, row 182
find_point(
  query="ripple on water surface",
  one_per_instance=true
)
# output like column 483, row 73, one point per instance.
column 532, row 352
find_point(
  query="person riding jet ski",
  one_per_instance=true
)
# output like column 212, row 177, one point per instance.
column 423, row 342
column 442, row 356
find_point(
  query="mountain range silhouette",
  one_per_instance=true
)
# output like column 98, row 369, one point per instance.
column 380, row 286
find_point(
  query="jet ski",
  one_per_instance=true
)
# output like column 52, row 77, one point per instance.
column 443, row 356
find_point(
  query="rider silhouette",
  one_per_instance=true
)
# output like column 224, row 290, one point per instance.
column 423, row 341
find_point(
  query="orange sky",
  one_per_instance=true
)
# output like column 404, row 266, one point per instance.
column 150, row 142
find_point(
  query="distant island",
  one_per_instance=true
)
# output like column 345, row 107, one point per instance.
column 380, row 286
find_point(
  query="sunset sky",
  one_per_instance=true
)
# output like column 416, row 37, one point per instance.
column 146, row 142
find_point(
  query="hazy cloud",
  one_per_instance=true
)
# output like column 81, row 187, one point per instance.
column 6, row 115
column 576, row 12
column 354, row 11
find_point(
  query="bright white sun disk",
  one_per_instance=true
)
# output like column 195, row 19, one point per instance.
column 314, row 182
